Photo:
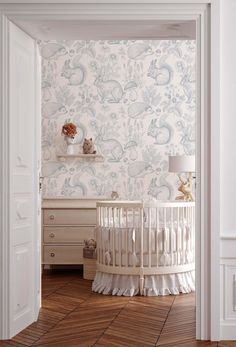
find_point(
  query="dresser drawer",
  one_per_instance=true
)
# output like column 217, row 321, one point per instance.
column 69, row 216
column 68, row 234
column 62, row 254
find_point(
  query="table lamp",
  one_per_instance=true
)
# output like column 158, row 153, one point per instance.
column 186, row 164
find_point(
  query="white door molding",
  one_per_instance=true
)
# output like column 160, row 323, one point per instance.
column 207, row 154
column 4, row 180
column 19, row 181
column 214, row 96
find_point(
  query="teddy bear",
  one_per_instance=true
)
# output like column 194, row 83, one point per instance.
column 88, row 146
column 91, row 244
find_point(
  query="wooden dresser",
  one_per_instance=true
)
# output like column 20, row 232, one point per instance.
column 66, row 223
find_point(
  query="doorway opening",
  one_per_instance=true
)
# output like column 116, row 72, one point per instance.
column 47, row 29
column 137, row 100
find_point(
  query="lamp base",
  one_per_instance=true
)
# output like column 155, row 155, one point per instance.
column 186, row 189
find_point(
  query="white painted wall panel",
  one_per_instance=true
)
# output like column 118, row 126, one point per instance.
column 228, row 116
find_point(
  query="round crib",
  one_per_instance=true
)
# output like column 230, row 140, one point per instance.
column 145, row 248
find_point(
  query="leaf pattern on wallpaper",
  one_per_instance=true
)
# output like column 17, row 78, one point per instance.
column 136, row 99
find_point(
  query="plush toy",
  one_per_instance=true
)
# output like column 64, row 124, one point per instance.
column 91, row 244
column 88, row 146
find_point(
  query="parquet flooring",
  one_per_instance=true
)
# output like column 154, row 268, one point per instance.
column 73, row 316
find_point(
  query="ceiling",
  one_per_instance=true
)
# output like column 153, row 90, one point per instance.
column 107, row 30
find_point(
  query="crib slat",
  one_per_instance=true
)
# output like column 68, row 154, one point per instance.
column 183, row 234
column 149, row 236
column 157, row 230
column 177, row 237
column 113, row 237
column 141, row 239
column 133, row 238
column 103, row 232
column 98, row 234
column 165, row 236
column 127, row 237
column 120, row 235
column 171, row 236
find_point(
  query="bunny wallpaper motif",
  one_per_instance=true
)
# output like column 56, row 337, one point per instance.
column 136, row 99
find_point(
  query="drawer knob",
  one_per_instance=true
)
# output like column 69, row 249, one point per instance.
column 52, row 254
column 51, row 217
column 52, row 235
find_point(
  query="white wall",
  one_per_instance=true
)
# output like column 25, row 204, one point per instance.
column 228, row 114
column 228, row 169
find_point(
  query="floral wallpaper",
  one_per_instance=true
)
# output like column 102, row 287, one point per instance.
column 135, row 99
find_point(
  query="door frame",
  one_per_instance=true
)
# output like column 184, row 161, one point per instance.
column 206, row 15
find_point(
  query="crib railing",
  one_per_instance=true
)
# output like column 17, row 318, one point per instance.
column 136, row 238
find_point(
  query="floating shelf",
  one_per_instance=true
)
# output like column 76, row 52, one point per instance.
column 80, row 156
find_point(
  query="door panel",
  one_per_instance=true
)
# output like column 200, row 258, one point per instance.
column 23, row 179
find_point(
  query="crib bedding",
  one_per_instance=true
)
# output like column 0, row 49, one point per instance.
column 164, row 236
column 154, row 285
column 163, row 245
column 153, row 244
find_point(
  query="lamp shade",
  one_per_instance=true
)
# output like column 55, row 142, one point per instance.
column 182, row 163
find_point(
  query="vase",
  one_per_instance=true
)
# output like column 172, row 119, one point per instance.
column 70, row 145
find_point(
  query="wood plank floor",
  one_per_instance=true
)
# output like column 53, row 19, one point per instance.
column 73, row 316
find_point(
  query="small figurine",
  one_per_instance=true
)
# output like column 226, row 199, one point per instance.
column 186, row 189
column 88, row 146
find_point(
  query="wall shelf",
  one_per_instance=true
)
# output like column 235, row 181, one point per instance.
column 80, row 156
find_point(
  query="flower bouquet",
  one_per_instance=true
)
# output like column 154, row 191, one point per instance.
column 69, row 130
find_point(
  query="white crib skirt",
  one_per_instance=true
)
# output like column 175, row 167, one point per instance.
column 110, row 284
column 154, row 285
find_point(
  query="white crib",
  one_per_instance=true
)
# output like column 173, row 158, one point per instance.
column 145, row 248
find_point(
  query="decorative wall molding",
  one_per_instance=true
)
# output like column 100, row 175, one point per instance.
column 228, row 304
column 228, row 236
column 105, row 1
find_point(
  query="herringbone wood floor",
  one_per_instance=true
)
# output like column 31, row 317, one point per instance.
column 73, row 316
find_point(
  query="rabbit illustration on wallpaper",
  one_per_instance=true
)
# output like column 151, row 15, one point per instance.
column 161, row 191
column 77, row 187
column 111, row 148
column 109, row 90
column 75, row 74
column 162, row 132
column 161, row 74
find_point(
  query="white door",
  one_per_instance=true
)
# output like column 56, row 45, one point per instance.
column 24, row 233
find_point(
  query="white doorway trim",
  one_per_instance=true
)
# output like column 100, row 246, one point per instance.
column 207, row 247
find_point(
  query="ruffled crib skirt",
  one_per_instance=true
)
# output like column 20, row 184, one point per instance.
column 154, row 285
